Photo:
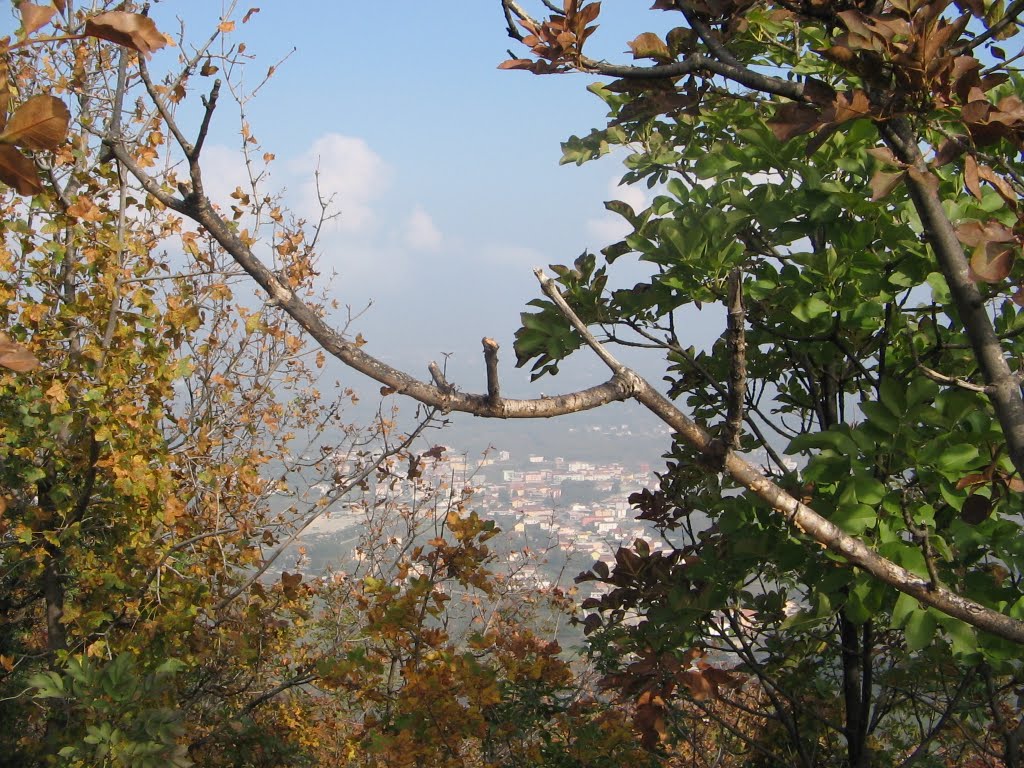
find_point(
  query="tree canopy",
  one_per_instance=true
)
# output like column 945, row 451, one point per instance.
column 838, row 574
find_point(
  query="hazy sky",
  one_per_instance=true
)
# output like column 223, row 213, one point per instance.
column 444, row 169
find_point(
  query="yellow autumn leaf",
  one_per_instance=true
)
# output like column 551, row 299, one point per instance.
column 56, row 393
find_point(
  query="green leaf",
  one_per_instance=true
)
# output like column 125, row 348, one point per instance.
column 956, row 458
column 881, row 416
column 904, row 608
column 855, row 518
column 919, row 630
column 868, row 490
column 811, row 308
column 833, row 439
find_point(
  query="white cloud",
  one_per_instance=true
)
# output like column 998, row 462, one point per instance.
column 344, row 170
column 223, row 172
column 421, row 233
column 611, row 227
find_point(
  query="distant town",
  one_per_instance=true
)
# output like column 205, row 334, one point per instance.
column 558, row 514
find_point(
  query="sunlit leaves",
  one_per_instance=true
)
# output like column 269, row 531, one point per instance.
column 40, row 123
column 649, row 46
column 132, row 30
column 34, row 17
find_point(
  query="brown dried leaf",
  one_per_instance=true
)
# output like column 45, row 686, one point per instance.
column 950, row 150
column 526, row 64
column 975, row 233
column 132, row 30
column 976, row 509
column 794, row 119
column 965, row 76
column 840, row 54
column 819, row 92
column 1002, row 186
column 992, row 262
column 587, row 14
column 649, row 719
column 977, row 478
column 249, row 14
column 851, row 106
column 976, row 7
column 5, row 94
column 39, row 123
column 14, row 356
column 721, row 678
column 971, row 181
column 19, row 172
column 885, row 156
column 34, row 16
column 698, row 685
column 883, row 182
column 649, row 46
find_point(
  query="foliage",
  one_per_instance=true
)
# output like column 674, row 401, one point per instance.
column 149, row 413
column 163, row 445
column 859, row 358
column 432, row 652
column 818, row 170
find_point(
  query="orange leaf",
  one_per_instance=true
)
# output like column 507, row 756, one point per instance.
column 226, row 26
column 19, row 172
column 698, row 685
column 132, row 30
column 14, row 356
column 34, row 17
column 39, row 123
column 84, row 208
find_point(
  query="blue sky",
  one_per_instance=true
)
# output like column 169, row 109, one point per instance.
column 445, row 169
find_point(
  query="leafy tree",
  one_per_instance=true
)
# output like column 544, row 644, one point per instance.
column 154, row 415
column 820, row 169
column 860, row 339
column 846, row 103
column 149, row 407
